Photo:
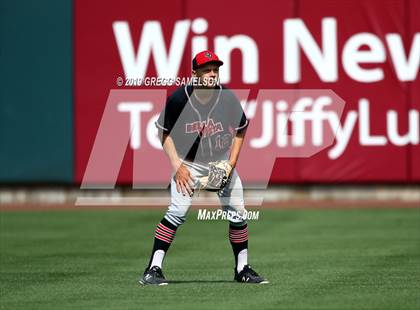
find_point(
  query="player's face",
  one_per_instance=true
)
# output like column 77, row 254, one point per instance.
column 208, row 75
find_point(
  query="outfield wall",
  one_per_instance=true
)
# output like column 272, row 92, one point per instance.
column 36, row 97
column 366, row 52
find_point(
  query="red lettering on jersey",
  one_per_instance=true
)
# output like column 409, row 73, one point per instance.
column 205, row 128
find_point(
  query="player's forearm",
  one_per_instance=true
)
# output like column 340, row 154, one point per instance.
column 170, row 150
column 236, row 149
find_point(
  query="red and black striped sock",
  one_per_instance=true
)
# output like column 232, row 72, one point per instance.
column 238, row 237
column 164, row 235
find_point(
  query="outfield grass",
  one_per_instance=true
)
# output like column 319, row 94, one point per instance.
column 315, row 259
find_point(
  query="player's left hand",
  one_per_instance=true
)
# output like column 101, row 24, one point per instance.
column 218, row 177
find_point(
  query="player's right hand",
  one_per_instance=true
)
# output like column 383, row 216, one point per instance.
column 184, row 181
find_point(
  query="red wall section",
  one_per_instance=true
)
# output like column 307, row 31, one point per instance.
column 413, row 23
column 367, row 163
column 98, row 64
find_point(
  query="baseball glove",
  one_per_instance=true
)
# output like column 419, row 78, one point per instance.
column 218, row 177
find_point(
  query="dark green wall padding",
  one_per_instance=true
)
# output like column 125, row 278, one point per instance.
column 36, row 96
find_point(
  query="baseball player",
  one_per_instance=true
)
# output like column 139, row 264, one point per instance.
column 202, row 128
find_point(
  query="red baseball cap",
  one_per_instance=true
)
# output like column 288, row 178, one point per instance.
column 205, row 57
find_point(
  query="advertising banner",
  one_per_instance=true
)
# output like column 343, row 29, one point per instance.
column 331, row 89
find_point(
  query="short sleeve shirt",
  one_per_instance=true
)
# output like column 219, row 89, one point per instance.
column 202, row 132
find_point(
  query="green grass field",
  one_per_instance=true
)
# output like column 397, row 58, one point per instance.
column 314, row 259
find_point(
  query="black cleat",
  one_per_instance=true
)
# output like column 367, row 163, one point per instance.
column 153, row 276
column 248, row 275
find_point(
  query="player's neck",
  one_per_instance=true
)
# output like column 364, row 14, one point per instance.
column 203, row 96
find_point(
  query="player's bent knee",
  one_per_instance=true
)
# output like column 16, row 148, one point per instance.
column 175, row 219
